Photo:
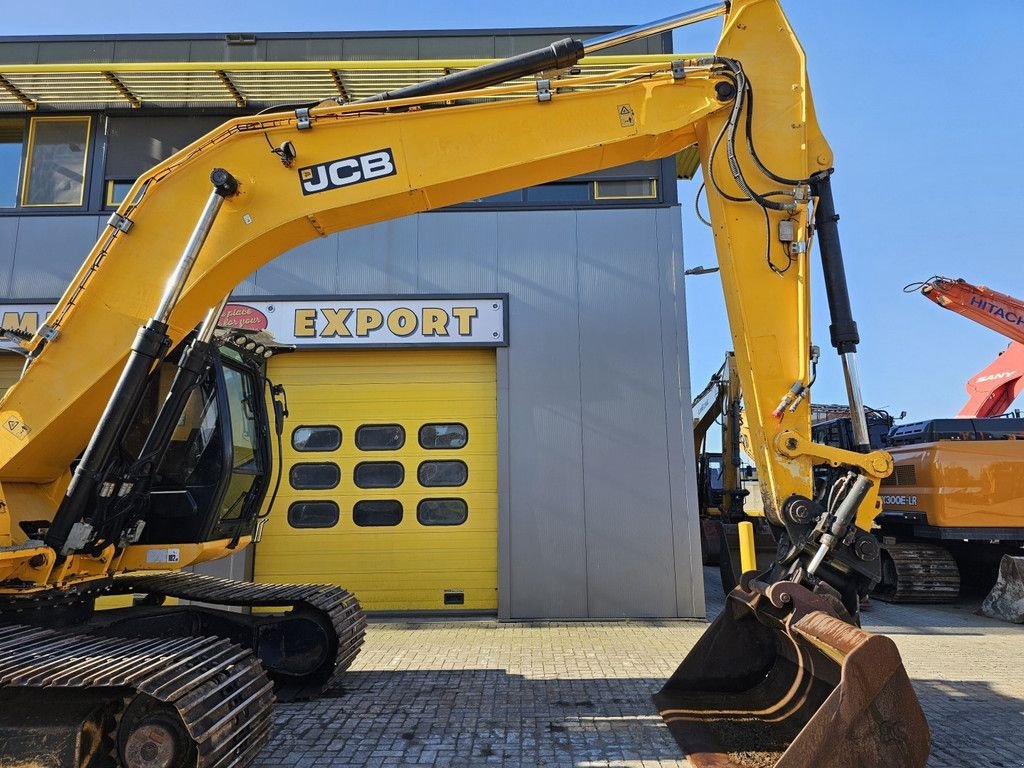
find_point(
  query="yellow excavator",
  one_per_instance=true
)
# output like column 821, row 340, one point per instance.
column 135, row 445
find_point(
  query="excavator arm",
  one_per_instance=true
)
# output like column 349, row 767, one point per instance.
column 178, row 245
column 992, row 390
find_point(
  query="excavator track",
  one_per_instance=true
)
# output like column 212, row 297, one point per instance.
column 918, row 573
column 328, row 615
column 70, row 700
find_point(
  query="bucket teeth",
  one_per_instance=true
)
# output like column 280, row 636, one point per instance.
column 778, row 680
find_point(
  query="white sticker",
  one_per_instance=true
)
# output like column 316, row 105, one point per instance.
column 163, row 556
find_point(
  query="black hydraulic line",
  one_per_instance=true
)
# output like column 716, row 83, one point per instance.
column 843, row 329
column 149, row 346
column 558, row 55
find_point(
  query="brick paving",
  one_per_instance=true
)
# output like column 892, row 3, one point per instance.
column 477, row 693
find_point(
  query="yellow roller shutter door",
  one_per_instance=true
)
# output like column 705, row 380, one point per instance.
column 390, row 480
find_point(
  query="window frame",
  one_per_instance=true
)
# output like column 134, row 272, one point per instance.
column 292, row 467
column 400, row 446
column 465, row 466
column 341, row 437
column 421, row 502
column 355, row 475
column 652, row 196
column 401, row 509
column 337, row 515
column 419, row 436
column 26, row 162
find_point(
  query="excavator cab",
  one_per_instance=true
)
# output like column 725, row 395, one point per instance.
column 217, row 466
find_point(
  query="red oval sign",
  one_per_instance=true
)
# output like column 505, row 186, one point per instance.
column 243, row 316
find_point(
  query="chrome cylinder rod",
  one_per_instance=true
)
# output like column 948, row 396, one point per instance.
column 224, row 185
column 654, row 27
column 209, row 325
column 860, row 423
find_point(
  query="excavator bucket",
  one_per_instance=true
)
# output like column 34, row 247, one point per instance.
column 779, row 680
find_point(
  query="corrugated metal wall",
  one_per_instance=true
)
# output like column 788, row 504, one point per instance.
column 597, row 500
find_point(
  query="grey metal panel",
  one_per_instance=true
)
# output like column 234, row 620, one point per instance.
column 378, row 258
column 546, row 545
column 67, row 51
column 151, row 50
column 304, row 50
column 451, row 47
column 19, row 53
column 371, row 49
column 308, row 269
column 679, row 418
column 625, row 464
column 48, row 252
column 220, row 50
column 8, row 239
column 457, row 251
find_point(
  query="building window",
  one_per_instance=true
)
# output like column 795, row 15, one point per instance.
column 626, row 189
column 433, row 474
column 116, row 192
column 368, row 514
column 313, row 514
column 378, row 474
column 559, row 192
column 58, row 148
column 314, row 476
column 442, row 512
column 319, row 438
column 380, row 437
column 12, row 141
column 444, row 436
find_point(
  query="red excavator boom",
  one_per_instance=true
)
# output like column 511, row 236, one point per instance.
column 993, row 389
column 998, row 311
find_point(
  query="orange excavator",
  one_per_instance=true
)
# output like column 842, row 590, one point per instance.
column 992, row 390
column 952, row 506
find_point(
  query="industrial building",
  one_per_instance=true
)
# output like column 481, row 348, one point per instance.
column 489, row 404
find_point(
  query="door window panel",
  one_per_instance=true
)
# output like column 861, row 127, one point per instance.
column 316, row 438
column 313, row 514
column 378, row 474
column 314, row 476
column 444, row 436
column 380, row 437
column 432, row 474
column 371, row 513
column 442, row 512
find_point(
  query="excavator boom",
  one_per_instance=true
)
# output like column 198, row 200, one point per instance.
column 784, row 664
column 992, row 390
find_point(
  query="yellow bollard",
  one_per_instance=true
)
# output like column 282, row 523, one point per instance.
column 748, row 557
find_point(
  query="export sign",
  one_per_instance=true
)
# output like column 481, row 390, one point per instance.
column 474, row 321
column 377, row 322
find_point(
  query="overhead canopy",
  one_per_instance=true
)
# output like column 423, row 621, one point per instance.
column 241, row 84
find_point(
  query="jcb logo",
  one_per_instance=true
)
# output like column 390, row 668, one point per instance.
column 347, row 171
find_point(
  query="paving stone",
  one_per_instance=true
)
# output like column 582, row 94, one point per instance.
column 461, row 694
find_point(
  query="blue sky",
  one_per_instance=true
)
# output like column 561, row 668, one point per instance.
column 920, row 101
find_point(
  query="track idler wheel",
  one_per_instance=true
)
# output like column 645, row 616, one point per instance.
column 779, row 679
column 152, row 735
